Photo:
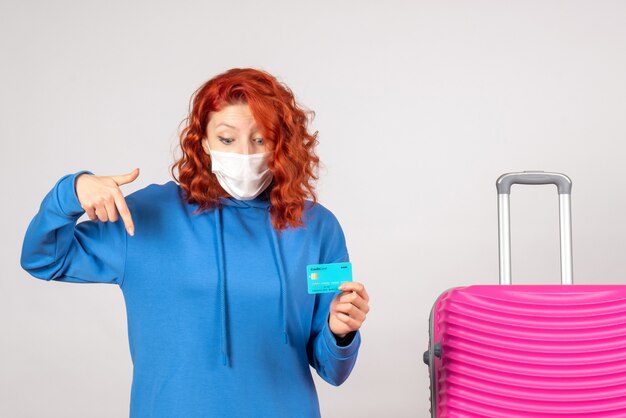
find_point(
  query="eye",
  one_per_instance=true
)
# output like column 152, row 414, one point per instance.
column 226, row 141
column 259, row 141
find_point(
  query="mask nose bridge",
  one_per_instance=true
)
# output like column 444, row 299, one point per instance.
column 248, row 168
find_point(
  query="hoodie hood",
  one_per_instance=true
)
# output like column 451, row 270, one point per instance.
column 260, row 202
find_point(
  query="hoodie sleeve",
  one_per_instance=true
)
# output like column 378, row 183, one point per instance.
column 56, row 248
column 333, row 362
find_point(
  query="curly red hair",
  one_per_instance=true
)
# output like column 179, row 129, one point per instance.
column 283, row 124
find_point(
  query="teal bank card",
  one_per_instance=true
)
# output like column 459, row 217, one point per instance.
column 324, row 278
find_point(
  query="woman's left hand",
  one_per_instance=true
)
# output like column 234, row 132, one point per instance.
column 348, row 309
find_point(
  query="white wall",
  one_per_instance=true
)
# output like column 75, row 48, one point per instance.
column 420, row 107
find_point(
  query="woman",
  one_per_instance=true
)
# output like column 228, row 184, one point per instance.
column 213, row 268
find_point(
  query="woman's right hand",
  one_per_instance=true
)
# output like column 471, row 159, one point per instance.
column 101, row 197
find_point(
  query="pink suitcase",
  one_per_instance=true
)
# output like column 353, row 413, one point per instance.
column 513, row 351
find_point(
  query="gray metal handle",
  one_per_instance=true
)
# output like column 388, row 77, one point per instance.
column 564, row 185
column 505, row 181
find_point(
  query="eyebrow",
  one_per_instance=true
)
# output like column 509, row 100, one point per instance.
column 233, row 127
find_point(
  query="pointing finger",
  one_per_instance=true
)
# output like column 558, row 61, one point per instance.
column 122, row 207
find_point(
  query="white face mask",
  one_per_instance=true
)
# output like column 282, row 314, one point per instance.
column 243, row 176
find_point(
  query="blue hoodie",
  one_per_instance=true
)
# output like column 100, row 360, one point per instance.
column 220, row 323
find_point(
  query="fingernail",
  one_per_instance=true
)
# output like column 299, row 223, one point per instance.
column 131, row 230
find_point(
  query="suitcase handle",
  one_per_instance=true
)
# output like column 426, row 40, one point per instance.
column 564, row 186
column 505, row 181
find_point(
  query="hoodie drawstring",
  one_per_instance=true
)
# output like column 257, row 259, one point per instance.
column 222, row 284
column 278, row 262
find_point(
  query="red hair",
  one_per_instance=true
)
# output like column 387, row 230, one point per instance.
column 283, row 125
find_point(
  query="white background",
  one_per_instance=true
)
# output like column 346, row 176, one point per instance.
column 420, row 107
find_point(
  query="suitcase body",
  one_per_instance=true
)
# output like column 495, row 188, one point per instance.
column 540, row 351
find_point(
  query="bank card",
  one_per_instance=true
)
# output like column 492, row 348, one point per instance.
column 325, row 278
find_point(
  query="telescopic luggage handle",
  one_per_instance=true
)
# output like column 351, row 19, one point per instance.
column 564, row 185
